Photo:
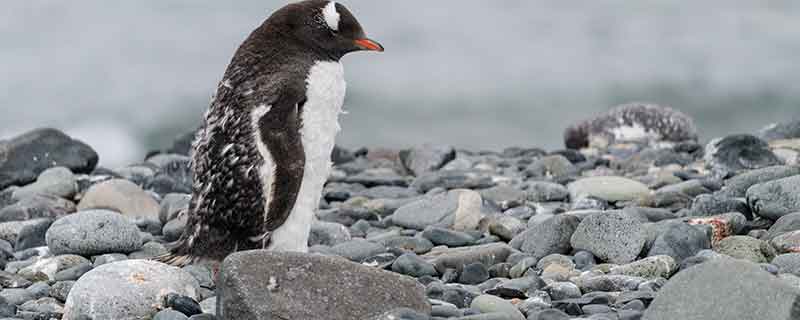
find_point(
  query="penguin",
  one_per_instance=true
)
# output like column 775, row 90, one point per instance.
column 263, row 153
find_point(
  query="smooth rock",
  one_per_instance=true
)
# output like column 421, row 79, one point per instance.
column 786, row 223
column 286, row 282
column 724, row 289
column 426, row 158
column 122, row 196
column 788, row 263
column 12, row 231
column 722, row 225
column 709, row 205
column 473, row 273
column 776, row 198
column 358, row 249
column 453, row 179
column 680, row 241
column 541, row 191
column 132, row 289
column 60, row 290
column 450, row 238
column 608, row 188
column 93, row 232
column 328, row 233
column 737, row 186
column 488, row 304
column 169, row 314
column 47, row 268
column 35, row 207
column 456, row 209
column 412, row 265
column 611, row 236
column 24, row 157
column 781, row 130
column 57, row 182
column 551, row 167
column 172, row 205
column 551, row 236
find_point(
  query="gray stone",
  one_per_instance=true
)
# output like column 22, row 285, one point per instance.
column 358, row 249
column 417, row 245
column 57, row 182
column 73, row 273
column 609, row 283
column 108, row 258
column 387, row 192
column 786, row 223
column 744, row 247
column 724, row 289
column 504, row 226
column 781, row 130
column 131, row 289
column 426, row 158
column 504, row 196
column 401, row 314
column 377, row 177
column 649, row 268
column 172, row 205
column 473, row 273
column 776, row 198
column 709, row 205
column 611, row 236
column 42, row 308
column 45, row 269
column 60, row 290
column 680, row 241
column 555, row 167
column 412, row 265
column 551, row 236
column 691, row 188
column 93, row 232
column 149, row 250
column 13, row 231
column 16, row 296
column 541, row 191
column 563, row 290
column 737, row 186
column 453, row 179
column 491, row 304
column 739, row 152
column 173, row 229
column 788, row 263
column 170, row 314
column 608, row 188
column 328, row 233
column 457, row 258
column 285, row 282
column 24, row 157
column 36, row 207
column 456, row 209
column 122, row 196
column 450, row 238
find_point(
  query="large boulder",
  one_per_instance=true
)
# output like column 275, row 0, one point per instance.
column 261, row 284
column 725, row 288
column 24, row 157
column 131, row 289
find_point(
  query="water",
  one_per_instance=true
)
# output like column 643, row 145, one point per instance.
column 128, row 77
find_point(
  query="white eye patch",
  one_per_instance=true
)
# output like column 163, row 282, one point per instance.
column 331, row 16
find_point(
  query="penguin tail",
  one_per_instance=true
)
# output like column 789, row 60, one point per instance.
column 177, row 255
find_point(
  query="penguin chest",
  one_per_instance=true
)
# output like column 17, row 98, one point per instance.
column 320, row 117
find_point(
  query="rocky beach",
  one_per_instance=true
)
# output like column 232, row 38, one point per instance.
column 634, row 218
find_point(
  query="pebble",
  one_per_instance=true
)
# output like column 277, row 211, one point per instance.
column 473, row 273
column 93, row 232
column 122, row 196
column 788, row 263
column 457, row 258
column 608, row 188
column 358, row 249
column 412, row 265
column 426, row 158
column 60, row 290
column 328, row 233
column 551, row 167
column 611, row 236
column 450, row 238
column 171, row 205
column 737, row 186
column 453, row 179
column 37, row 206
column 680, row 241
column 735, row 153
column 169, row 314
column 651, row 267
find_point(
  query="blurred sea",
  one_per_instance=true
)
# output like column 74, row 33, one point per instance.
column 129, row 76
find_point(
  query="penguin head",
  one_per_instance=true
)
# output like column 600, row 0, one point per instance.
column 324, row 25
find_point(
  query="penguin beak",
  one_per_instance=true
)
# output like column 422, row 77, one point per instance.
column 369, row 45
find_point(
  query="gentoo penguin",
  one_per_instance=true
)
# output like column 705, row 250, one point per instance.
column 263, row 155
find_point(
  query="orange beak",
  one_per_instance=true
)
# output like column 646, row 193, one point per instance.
column 367, row 44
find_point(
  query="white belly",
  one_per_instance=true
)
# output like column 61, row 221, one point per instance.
column 325, row 96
